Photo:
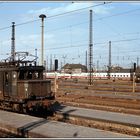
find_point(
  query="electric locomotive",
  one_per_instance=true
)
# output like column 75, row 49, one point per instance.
column 22, row 86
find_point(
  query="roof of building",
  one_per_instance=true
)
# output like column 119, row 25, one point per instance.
column 74, row 66
column 121, row 70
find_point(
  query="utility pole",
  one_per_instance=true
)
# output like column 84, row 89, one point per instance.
column 42, row 16
column 137, row 62
column 56, row 77
column 13, row 42
column 90, row 50
column 64, row 57
column 46, row 63
column 86, row 62
column 61, row 64
column 97, row 65
column 134, row 84
column 109, row 64
column 51, row 63
column 36, row 55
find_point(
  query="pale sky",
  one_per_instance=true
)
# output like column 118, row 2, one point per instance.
column 67, row 36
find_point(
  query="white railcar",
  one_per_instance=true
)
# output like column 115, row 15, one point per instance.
column 95, row 75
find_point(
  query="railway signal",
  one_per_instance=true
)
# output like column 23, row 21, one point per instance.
column 134, row 67
column 56, row 64
column 134, row 84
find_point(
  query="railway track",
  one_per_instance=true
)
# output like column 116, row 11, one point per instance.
column 26, row 126
column 103, row 120
column 87, row 92
column 117, row 88
column 101, row 107
column 116, row 112
column 77, row 94
column 129, row 106
column 92, row 118
column 4, row 134
column 96, row 82
column 100, row 85
column 106, row 96
column 101, row 99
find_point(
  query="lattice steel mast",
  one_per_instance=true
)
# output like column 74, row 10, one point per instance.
column 109, row 63
column 90, row 50
column 13, row 42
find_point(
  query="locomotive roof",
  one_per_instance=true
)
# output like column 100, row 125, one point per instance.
column 32, row 68
column 5, row 66
column 8, row 69
column 23, row 68
column 9, row 66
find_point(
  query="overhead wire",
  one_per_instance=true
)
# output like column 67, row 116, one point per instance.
column 115, row 41
column 30, row 21
column 72, row 11
column 57, row 15
column 3, row 28
column 79, row 9
column 99, row 43
column 85, row 44
column 71, row 25
column 129, row 33
column 118, row 14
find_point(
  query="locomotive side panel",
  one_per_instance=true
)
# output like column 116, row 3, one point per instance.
column 36, row 88
column 21, row 90
column 7, row 84
column 14, row 83
column 40, row 88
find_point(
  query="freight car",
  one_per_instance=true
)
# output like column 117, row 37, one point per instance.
column 22, row 87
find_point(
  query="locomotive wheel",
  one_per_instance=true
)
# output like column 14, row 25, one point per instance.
column 24, row 110
column 17, row 108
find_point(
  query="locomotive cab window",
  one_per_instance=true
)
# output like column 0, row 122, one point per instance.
column 29, row 76
column 6, row 78
column 21, row 75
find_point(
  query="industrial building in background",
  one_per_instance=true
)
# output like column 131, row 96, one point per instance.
column 73, row 68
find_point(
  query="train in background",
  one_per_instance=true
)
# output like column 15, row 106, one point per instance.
column 95, row 75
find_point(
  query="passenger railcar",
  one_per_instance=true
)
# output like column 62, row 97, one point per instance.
column 95, row 75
